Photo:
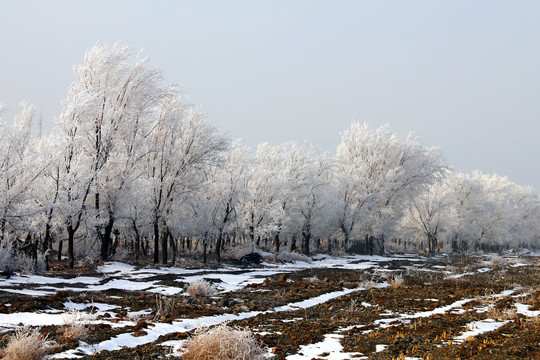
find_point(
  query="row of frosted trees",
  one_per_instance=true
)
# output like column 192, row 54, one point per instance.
column 130, row 158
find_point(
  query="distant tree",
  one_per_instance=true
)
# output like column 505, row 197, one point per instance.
column 307, row 194
column 102, row 117
column 261, row 212
column 428, row 215
column 19, row 167
column 181, row 147
column 227, row 189
column 374, row 174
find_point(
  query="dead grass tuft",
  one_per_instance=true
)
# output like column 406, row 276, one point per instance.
column 397, row 282
column 164, row 305
column 76, row 332
column 223, row 343
column 201, row 288
column 27, row 344
column 496, row 260
column 367, row 284
column 75, row 326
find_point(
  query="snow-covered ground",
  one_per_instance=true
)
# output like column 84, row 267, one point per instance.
column 116, row 275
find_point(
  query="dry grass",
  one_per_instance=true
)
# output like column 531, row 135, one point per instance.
column 76, row 331
column 223, row 343
column 201, row 288
column 496, row 260
column 164, row 305
column 290, row 256
column 27, row 344
column 505, row 314
column 367, row 284
column 397, row 282
column 75, row 326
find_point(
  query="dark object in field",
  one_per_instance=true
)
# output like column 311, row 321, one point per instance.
column 7, row 273
column 250, row 259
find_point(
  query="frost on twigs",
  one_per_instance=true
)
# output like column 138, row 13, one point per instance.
column 223, row 343
column 201, row 288
column 27, row 344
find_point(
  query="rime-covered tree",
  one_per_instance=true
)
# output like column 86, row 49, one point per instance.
column 181, row 147
column 20, row 165
column 227, row 189
column 261, row 212
column 103, row 118
column 374, row 174
column 427, row 215
column 308, row 197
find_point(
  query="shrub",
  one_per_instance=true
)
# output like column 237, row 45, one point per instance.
column 396, row 282
column 367, row 284
column 496, row 260
column 223, row 343
column 201, row 288
column 27, row 344
column 75, row 326
column 289, row 256
column 75, row 331
column 164, row 305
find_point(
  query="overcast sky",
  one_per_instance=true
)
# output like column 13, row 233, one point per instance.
column 462, row 75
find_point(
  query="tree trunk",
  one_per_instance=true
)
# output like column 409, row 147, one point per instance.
column 174, row 248
column 106, row 239
column 205, row 244
column 2, row 229
column 47, row 244
column 137, row 241
column 346, row 235
column 276, row 243
column 218, row 245
column 71, row 237
column 293, row 243
column 306, row 238
column 164, row 245
column 156, row 241
column 60, row 246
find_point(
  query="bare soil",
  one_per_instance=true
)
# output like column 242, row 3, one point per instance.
column 363, row 317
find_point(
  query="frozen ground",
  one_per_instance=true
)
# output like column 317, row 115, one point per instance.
column 230, row 280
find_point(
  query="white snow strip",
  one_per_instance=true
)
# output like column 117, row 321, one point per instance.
column 32, row 319
column 479, row 327
column 122, row 285
column 524, row 310
column 184, row 325
column 175, row 346
column 315, row 301
column 98, row 306
column 440, row 310
column 330, row 348
column 38, row 279
column 29, row 292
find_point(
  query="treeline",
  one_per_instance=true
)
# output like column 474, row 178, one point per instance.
column 131, row 163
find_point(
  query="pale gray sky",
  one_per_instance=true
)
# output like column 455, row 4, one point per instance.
column 463, row 75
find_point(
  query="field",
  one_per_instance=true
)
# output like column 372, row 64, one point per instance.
column 348, row 307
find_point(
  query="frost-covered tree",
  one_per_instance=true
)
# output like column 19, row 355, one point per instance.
column 227, row 190
column 428, row 214
column 19, row 167
column 181, row 147
column 261, row 212
column 307, row 195
column 103, row 118
column 374, row 174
